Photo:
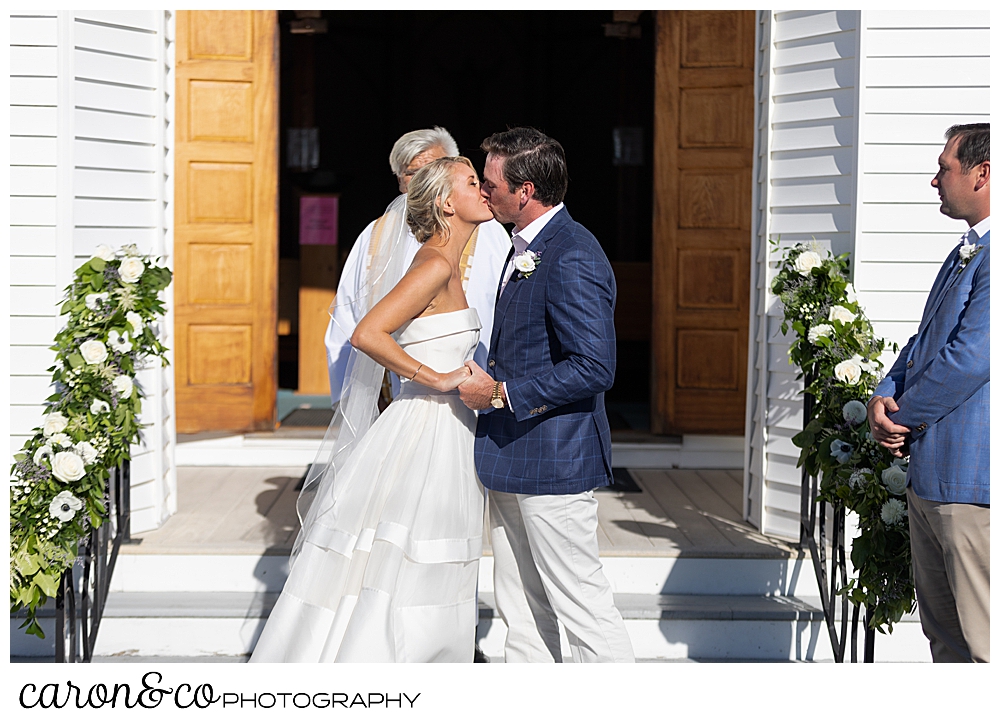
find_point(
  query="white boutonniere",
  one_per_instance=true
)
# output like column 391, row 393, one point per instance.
column 966, row 253
column 526, row 263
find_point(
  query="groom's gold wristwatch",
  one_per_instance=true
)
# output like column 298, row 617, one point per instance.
column 497, row 400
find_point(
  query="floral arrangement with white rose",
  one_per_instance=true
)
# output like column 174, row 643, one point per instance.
column 59, row 478
column 837, row 352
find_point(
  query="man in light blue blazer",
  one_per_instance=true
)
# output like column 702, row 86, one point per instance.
column 934, row 405
column 544, row 445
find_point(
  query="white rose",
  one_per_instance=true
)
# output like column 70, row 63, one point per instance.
column 54, row 423
column 842, row 314
column 99, row 406
column 135, row 321
column 64, row 506
column 119, row 342
column 966, row 252
column 807, row 261
column 894, row 479
column 131, row 269
column 848, row 371
column 67, row 466
column 123, row 385
column 93, row 351
column 524, row 263
column 87, row 451
column 820, row 331
column 60, row 439
column 104, row 252
column 851, row 295
column 130, row 250
column 92, row 300
column 855, row 412
column 43, row 451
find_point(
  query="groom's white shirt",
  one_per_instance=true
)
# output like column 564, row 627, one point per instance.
column 492, row 247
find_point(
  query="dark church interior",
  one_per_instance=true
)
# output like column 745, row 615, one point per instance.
column 352, row 82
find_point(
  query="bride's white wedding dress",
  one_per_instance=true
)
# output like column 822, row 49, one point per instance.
column 388, row 573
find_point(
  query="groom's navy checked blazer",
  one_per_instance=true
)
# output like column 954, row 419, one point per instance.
column 941, row 381
column 553, row 344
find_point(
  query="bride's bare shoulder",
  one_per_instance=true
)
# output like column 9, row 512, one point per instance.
column 429, row 267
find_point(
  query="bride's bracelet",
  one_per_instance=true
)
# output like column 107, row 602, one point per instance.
column 415, row 373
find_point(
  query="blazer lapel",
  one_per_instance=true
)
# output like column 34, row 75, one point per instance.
column 507, row 293
column 938, row 293
column 503, row 272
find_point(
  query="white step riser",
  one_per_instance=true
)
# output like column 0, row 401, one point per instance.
column 765, row 640
column 696, row 452
column 651, row 639
column 648, row 575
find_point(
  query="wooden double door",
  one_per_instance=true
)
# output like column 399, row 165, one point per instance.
column 701, row 220
column 225, row 220
column 226, row 236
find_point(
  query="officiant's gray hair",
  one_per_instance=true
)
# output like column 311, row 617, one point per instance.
column 412, row 144
column 431, row 184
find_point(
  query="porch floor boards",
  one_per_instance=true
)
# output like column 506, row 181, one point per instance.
column 679, row 513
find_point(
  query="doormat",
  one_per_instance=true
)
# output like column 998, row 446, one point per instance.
column 624, row 482
column 306, row 417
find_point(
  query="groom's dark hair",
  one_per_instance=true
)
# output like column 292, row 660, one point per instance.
column 530, row 155
column 973, row 145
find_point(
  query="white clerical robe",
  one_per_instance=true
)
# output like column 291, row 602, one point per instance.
column 487, row 251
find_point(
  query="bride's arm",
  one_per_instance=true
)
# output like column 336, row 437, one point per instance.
column 409, row 298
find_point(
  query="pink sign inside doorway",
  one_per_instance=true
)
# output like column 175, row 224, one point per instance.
column 318, row 220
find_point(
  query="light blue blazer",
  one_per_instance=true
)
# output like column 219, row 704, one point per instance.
column 941, row 382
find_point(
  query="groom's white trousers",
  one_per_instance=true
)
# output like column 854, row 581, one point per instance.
column 546, row 568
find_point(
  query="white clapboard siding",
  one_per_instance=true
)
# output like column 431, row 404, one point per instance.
column 32, row 121
column 89, row 140
column 34, row 125
column 806, row 186
column 32, row 150
column 921, row 71
column 852, row 108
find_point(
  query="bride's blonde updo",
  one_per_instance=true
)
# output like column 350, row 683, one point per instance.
column 429, row 186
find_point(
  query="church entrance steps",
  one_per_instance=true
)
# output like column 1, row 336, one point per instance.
column 293, row 446
column 634, row 575
column 225, row 625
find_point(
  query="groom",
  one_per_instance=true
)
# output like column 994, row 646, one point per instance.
column 545, row 444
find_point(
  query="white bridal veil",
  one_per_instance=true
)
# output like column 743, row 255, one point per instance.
column 358, row 407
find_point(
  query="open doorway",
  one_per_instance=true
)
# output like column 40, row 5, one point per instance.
column 352, row 82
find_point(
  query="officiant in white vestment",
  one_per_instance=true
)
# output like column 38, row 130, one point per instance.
column 482, row 262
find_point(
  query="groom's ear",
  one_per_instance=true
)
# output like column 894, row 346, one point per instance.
column 528, row 190
column 983, row 175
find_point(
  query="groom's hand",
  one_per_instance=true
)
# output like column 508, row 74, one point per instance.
column 477, row 390
column 890, row 435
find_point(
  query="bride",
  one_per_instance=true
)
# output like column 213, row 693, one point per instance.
column 386, row 564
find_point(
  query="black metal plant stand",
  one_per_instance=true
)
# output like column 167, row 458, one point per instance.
column 83, row 588
column 813, row 534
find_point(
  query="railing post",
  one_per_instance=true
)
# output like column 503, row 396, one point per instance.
column 125, row 501
column 98, row 553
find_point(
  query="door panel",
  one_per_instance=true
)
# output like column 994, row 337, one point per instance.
column 225, row 236
column 701, row 264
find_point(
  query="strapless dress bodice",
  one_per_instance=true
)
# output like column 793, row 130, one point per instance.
column 442, row 342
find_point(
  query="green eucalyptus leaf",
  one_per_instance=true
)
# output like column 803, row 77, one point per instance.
column 48, row 584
